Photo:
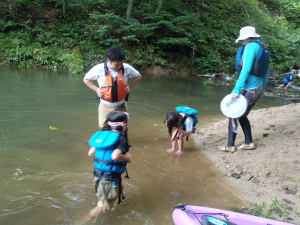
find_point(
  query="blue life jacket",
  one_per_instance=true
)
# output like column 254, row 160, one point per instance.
column 104, row 142
column 188, row 112
column 261, row 62
column 288, row 78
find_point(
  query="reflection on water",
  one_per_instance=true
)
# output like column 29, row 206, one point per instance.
column 46, row 175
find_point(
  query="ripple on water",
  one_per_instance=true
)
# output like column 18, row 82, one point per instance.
column 62, row 197
column 59, row 194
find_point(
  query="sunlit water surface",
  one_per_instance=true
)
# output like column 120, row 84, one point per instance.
column 46, row 175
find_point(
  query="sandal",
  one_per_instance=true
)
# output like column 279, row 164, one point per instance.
column 247, row 147
column 227, row 149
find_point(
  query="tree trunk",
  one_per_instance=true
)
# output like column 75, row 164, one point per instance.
column 64, row 7
column 294, row 63
column 129, row 9
column 149, row 5
column 160, row 3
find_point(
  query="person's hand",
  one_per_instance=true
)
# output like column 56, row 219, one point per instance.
column 234, row 96
column 179, row 129
column 127, row 89
column 128, row 156
column 100, row 93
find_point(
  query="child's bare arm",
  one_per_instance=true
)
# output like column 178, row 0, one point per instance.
column 118, row 156
column 92, row 152
column 183, row 132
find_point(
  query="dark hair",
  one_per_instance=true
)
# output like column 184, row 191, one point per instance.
column 116, row 116
column 172, row 120
column 115, row 54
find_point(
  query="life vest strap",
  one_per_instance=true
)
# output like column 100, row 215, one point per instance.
column 106, row 162
column 115, row 91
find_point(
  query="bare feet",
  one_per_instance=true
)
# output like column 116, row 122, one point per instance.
column 171, row 150
column 179, row 152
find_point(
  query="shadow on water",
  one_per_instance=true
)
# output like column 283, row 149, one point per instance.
column 47, row 175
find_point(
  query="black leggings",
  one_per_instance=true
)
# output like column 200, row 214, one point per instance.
column 246, row 126
column 252, row 95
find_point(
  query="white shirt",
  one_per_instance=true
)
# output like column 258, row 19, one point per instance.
column 188, row 123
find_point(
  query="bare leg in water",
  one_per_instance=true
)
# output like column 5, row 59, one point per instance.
column 174, row 142
column 93, row 213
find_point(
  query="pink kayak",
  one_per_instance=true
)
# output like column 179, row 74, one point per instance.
column 198, row 215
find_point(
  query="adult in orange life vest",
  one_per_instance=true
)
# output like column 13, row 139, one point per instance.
column 112, row 77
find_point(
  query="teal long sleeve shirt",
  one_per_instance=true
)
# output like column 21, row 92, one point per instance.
column 247, row 80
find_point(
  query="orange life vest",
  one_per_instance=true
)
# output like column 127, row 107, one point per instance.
column 113, row 88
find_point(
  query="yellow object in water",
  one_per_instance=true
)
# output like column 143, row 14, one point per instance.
column 53, row 128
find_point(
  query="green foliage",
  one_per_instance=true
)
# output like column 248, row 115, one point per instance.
column 201, row 34
column 275, row 209
column 291, row 11
column 16, row 52
column 73, row 61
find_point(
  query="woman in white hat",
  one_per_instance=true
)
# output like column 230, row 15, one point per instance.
column 251, row 82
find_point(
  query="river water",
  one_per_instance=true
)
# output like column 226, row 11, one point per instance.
column 46, row 174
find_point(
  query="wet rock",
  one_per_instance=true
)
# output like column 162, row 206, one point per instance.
column 247, row 211
column 291, row 192
column 288, row 201
column 274, row 74
column 236, row 175
column 297, row 162
column 206, row 75
column 278, row 210
column 285, row 188
column 268, row 174
column 262, row 145
column 248, row 177
column 256, row 181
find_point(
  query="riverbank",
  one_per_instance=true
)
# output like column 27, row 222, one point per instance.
column 269, row 175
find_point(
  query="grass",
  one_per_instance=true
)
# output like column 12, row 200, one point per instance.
column 274, row 211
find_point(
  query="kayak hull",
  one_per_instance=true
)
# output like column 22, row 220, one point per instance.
column 187, row 216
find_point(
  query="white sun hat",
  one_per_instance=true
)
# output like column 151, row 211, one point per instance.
column 234, row 108
column 247, row 32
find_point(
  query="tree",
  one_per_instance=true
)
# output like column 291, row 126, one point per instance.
column 129, row 9
column 160, row 3
column 64, row 7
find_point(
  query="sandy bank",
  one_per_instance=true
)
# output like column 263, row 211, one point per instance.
column 269, row 173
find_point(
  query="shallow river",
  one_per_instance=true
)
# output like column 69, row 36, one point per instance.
column 46, row 175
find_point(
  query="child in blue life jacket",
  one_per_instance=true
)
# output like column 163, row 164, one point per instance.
column 287, row 80
column 180, row 123
column 109, row 147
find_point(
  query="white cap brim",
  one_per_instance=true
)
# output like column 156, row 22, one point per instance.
column 241, row 38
